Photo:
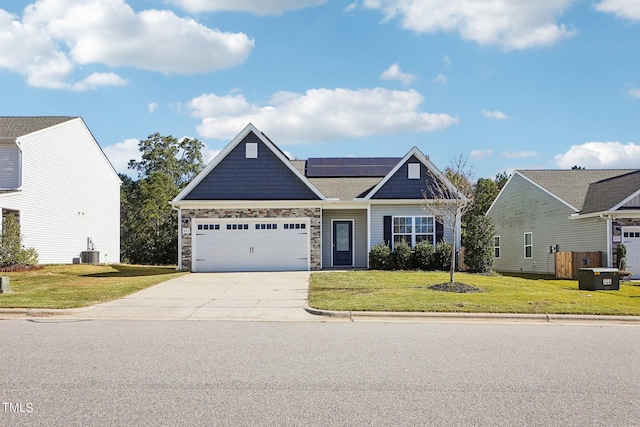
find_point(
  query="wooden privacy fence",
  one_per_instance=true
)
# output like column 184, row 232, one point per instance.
column 568, row 263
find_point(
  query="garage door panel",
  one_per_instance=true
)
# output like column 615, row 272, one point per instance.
column 247, row 245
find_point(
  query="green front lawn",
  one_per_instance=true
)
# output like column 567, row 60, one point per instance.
column 408, row 291
column 80, row 285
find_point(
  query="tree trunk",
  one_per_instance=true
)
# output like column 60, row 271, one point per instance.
column 453, row 261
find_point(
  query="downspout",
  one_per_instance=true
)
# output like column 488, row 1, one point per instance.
column 609, row 241
column 179, row 267
column 368, row 233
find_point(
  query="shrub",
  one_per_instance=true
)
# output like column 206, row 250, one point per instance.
column 12, row 252
column 423, row 255
column 442, row 256
column 380, row 257
column 478, row 244
column 402, row 256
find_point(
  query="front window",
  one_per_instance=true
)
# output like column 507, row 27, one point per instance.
column 414, row 229
column 528, row 245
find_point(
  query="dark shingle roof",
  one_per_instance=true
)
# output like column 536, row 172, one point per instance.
column 606, row 194
column 15, row 127
column 572, row 185
column 342, row 188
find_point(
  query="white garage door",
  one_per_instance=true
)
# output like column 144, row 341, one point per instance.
column 631, row 239
column 250, row 245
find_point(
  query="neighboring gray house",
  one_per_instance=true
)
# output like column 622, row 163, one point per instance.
column 55, row 178
column 254, row 209
column 541, row 211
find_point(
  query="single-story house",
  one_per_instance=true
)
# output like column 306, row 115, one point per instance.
column 540, row 212
column 56, row 180
column 252, row 209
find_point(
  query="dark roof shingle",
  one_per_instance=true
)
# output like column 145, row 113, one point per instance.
column 15, row 127
column 572, row 185
column 605, row 194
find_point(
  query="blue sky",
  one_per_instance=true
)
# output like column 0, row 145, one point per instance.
column 508, row 83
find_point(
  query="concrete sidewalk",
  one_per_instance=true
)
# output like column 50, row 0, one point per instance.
column 277, row 296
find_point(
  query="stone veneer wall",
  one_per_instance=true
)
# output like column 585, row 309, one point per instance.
column 314, row 214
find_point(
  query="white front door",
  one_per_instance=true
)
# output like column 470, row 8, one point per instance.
column 250, row 245
column 631, row 239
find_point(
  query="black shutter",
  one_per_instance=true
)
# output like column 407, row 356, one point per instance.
column 439, row 231
column 387, row 230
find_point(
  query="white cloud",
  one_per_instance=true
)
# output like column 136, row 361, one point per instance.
column 395, row 73
column 480, row 154
column 634, row 92
column 446, row 62
column 441, row 78
column 152, row 107
column 512, row 25
column 593, row 155
column 351, row 7
column 626, row 9
column 54, row 37
column 495, row 115
column 318, row 114
column 519, row 154
column 259, row 7
column 120, row 153
column 97, row 80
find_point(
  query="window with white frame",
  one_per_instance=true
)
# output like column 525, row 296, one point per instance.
column 414, row 229
column 496, row 246
column 414, row 171
column 251, row 150
column 528, row 245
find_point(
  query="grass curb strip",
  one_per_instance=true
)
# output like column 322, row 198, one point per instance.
column 474, row 316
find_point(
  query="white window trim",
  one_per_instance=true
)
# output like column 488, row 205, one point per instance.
column 412, row 243
column 251, row 150
column 529, row 245
column 496, row 246
column 353, row 240
column 414, row 171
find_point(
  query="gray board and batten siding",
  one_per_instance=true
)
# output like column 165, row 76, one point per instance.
column 263, row 178
column 526, row 208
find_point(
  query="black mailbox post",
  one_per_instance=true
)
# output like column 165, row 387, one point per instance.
column 596, row 279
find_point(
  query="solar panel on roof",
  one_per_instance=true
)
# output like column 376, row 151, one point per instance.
column 350, row 166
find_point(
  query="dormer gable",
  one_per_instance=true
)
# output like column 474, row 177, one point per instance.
column 408, row 179
column 250, row 167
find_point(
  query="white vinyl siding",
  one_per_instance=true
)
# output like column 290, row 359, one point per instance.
column 69, row 192
column 523, row 207
column 10, row 173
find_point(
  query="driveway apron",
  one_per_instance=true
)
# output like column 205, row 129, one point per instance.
column 270, row 296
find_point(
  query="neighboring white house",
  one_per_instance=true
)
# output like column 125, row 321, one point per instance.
column 57, row 180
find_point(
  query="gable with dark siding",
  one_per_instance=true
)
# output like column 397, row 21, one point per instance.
column 399, row 186
column 262, row 178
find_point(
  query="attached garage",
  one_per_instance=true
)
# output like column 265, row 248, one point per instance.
column 250, row 244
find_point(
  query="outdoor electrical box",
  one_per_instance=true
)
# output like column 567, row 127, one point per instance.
column 4, row 285
column 596, row 279
column 553, row 249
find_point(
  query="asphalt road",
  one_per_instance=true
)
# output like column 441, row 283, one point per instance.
column 173, row 373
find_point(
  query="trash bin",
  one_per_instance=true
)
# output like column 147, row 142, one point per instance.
column 596, row 279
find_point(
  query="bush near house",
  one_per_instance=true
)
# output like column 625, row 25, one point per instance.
column 423, row 256
column 12, row 251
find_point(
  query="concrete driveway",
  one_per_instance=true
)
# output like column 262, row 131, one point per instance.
column 276, row 296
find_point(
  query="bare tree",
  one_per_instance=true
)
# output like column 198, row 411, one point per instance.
column 448, row 196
